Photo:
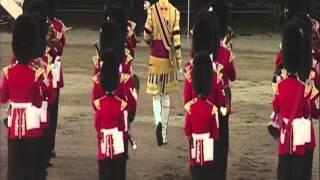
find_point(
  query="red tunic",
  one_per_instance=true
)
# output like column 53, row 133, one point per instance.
column 201, row 117
column 225, row 58
column 291, row 105
column 20, row 84
column 217, row 95
column 98, row 92
column 109, row 114
column 47, row 91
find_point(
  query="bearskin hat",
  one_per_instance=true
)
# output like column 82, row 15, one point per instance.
column 38, row 9
column 293, row 7
column 293, row 47
column 25, row 38
column 51, row 4
column 110, row 36
column 202, row 74
column 304, row 21
column 221, row 10
column 38, row 6
column 119, row 15
column 110, row 76
column 206, row 33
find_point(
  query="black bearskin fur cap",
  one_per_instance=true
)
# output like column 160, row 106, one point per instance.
column 110, row 36
column 293, row 47
column 25, row 38
column 202, row 74
column 304, row 21
column 110, row 76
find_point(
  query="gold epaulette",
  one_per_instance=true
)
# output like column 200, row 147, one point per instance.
column 232, row 56
column 97, row 103
column 188, row 105
column 308, row 87
column 95, row 60
column 314, row 92
column 214, row 110
column 123, row 103
column 124, row 77
column 274, row 87
column 6, row 71
column 128, row 55
column 219, row 72
column 39, row 72
column 95, row 78
column 187, row 71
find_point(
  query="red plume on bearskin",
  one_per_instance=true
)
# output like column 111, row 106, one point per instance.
column 25, row 38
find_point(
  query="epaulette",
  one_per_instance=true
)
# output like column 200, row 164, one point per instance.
column 128, row 55
column 188, row 105
column 95, row 60
column 274, row 87
column 6, row 71
column 123, row 103
column 124, row 77
column 219, row 72
column 214, row 110
column 188, row 70
column 314, row 92
column 97, row 103
column 38, row 74
column 95, row 78
column 232, row 56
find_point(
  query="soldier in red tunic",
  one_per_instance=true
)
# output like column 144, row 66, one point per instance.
column 201, row 123
column 311, row 91
column 226, row 58
column 55, row 47
column 20, row 86
column 292, row 107
column 110, row 120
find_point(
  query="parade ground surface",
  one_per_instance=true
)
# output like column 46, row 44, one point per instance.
column 253, row 152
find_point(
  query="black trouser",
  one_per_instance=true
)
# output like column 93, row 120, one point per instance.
column 221, row 149
column 290, row 167
column 53, row 121
column 202, row 172
column 112, row 169
column 46, row 146
column 25, row 160
column 307, row 175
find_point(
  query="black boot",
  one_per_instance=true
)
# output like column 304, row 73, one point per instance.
column 159, row 134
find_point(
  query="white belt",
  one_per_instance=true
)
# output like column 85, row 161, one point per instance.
column 44, row 112
column 32, row 114
column 203, row 148
column 112, row 142
column 56, row 70
column 301, row 131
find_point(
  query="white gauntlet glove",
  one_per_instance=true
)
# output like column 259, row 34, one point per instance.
column 146, row 5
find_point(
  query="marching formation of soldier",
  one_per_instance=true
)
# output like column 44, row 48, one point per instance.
column 33, row 100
